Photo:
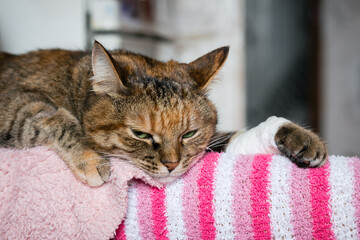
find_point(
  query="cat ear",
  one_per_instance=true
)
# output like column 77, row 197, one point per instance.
column 203, row 69
column 106, row 79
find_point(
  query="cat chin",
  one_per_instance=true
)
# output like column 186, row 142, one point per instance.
column 166, row 180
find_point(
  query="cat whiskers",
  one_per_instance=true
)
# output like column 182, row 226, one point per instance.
column 219, row 141
column 216, row 146
column 222, row 137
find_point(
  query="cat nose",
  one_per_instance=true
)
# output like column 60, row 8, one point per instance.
column 171, row 165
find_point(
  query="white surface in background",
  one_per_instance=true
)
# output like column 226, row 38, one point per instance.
column 31, row 24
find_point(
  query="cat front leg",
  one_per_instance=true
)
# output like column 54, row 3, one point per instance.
column 280, row 136
column 40, row 124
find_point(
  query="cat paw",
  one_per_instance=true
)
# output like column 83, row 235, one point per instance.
column 93, row 169
column 302, row 146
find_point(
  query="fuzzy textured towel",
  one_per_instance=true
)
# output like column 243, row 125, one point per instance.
column 223, row 197
column 41, row 199
column 249, row 197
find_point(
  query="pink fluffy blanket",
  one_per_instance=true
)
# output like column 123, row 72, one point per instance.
column 222, row 196
column 41, row 199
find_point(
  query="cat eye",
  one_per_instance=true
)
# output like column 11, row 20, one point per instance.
column 141, row 135
column 189, row 134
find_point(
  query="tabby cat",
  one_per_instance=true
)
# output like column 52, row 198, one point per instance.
column 89, row 107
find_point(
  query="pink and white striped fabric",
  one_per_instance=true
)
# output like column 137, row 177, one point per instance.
column 249, row 197
column 222, row 197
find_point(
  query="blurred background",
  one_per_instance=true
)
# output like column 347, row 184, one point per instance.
column 290, row 58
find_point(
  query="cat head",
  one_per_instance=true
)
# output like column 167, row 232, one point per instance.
column 155, row 115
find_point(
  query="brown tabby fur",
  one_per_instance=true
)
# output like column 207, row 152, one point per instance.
column 89, row 106
column 47, row 98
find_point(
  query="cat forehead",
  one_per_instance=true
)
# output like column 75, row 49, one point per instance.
column 162, row 120
column 148, row 67
column 166, row 90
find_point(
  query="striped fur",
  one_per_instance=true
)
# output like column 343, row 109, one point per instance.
column 89, row 107
column 86, row 106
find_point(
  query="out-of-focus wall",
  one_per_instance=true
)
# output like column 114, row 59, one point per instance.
column 31, row 24
column 340, row 111
column 277, row 60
